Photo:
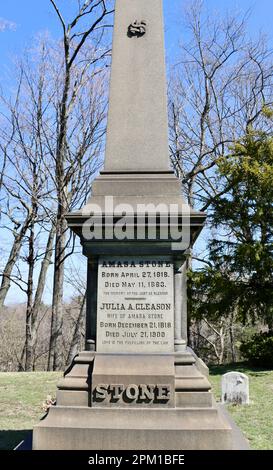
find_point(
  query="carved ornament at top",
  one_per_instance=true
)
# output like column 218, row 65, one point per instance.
column 137, row 28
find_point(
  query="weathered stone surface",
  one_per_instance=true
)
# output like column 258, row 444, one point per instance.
column 131, row 428
column 137, row 170
column 135, row 305
column 137, row 136
column 194, row 399
column 133, row 380
column 235, row 388
column 74, row 387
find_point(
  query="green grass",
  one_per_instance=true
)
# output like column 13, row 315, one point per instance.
column 22, row 396
column 256, row 419
column 21, row 403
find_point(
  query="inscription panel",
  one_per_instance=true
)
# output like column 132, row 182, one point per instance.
column 135, row 305
column 132, row 394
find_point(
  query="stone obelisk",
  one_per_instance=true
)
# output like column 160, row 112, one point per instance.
column 137, row 131
column 136, row 385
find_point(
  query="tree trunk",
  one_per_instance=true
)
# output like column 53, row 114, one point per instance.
column 41, row 287
column 55, row 358
column 28, row 343
column 77, row 335
column 33, row 313
column 13, row 257
column 222, row 345
column 269, row 322
column 231, row 337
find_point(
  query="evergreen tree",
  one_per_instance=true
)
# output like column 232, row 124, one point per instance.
column 239, row 276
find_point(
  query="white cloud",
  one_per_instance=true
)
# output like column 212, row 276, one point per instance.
column 7, row 25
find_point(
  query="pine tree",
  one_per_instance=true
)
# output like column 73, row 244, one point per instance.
column 239, row 275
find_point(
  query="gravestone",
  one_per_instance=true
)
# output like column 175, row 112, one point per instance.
column 235, row 388
column 136, row 385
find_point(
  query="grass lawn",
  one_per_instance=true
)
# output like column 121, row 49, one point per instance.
column 21, row 403
column 255, row 420
column 22, row 396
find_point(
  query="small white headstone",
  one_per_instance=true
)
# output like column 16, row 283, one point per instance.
column 235, row 388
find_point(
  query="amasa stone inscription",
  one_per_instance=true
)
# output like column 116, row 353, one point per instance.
column 135, row 305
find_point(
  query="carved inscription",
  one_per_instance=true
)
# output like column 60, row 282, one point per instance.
column 143, row 393
column 137, row 28
column 135, row 305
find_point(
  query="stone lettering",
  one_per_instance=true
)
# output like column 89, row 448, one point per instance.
column 146, row 392
column 133, row 393
column 101, row 391
column 164, row 392
column 116, row 391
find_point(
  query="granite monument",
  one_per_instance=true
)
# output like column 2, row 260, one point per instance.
column 136, row 385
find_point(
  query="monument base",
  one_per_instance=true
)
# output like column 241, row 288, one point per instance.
column 82, row 428
column 190, row 420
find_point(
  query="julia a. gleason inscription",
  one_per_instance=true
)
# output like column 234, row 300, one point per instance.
column 135, row 305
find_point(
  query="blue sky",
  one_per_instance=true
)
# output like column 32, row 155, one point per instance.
column 22, row 20
column 28, row 17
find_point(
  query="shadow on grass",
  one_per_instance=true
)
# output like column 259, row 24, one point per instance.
column 240, row 367
column 10, row 439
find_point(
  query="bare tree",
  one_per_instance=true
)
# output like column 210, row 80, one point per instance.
column 52, row 143
column 26, row 187
column 18, row 231
column 76, row 65
column 219, row 88
column 209, row 341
